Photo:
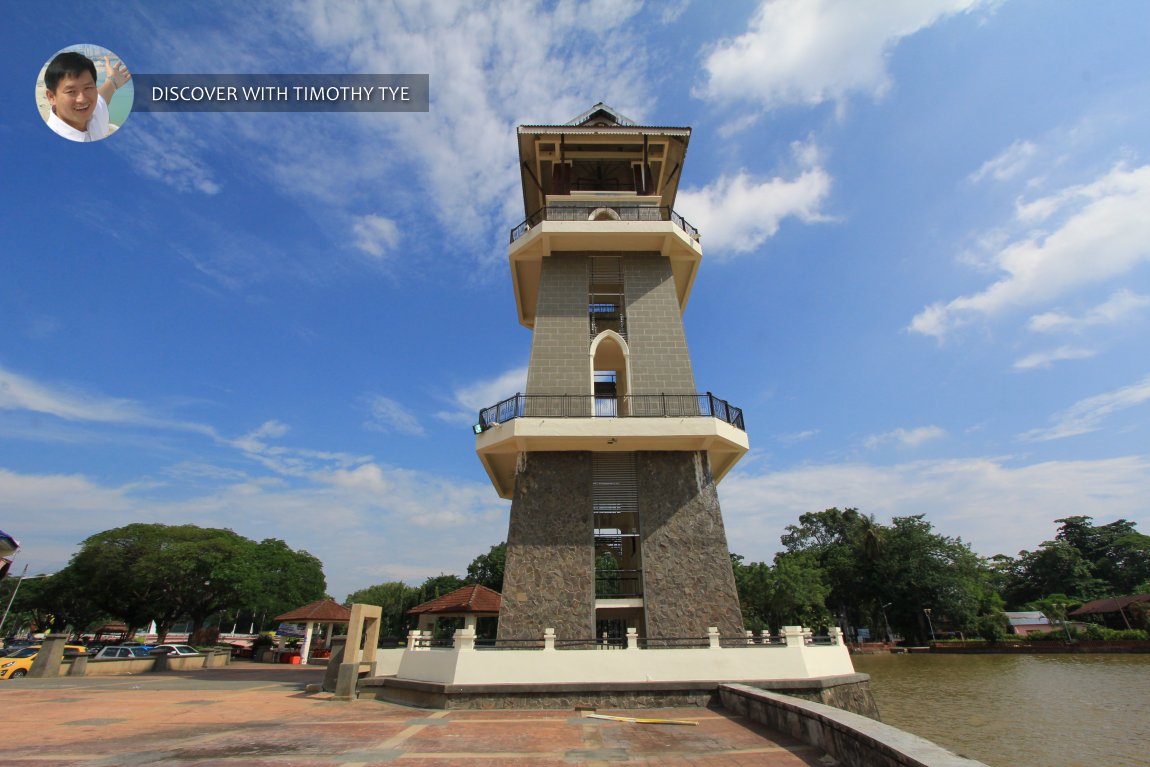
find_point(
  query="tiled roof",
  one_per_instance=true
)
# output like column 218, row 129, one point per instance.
column 320, row 611
column 469, row 599
column 1110, row 604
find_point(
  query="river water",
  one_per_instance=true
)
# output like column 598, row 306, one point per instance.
column 1020, row 710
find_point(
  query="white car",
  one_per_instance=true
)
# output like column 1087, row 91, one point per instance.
column 119, row 651
column 174, row 650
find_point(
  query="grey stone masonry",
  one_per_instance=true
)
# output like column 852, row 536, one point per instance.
column 559, row 348
column 549, row 579
column 660, row 362
column 688, row 583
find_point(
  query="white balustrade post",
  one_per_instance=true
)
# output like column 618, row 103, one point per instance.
column 548, row 639
column 412, row 639
column 836, row 635
column 632, row 639
column 750, row 637
column 464, row 639
column 793, row 635
column 713, row 637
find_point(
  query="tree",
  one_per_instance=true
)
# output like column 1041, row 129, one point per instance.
column 920, row 570
column 869, row 569
column 437, row 586
column 791, row 593
column 395, row 599
column 284, row 579
column 1084, row 561
column 487, row 569
column 846, row 547
column 153, row 572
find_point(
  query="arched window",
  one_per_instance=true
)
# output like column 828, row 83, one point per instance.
column 610, row 374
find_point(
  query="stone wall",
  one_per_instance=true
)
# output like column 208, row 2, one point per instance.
column 688, row 583
column 660, row 362
column 851, row 739
column 549, row 577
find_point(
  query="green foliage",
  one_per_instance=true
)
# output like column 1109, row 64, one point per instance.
column 145, row 572
column 438, row 586
column 790, row 593
column 395, row 599
column 1097, row 632
column 993, row 627
column 1084, row 561
column 872, row 574
column 487, row 569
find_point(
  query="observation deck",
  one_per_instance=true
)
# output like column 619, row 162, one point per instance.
column 665, row 422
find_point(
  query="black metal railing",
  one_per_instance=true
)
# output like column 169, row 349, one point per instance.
column 704, row 405
column 618, row 583
column 508, row 644
column 608, row 642
column 583, row 211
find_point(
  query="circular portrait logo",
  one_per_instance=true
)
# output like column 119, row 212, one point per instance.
column 84, row 93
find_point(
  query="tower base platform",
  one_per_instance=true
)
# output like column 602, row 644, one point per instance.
column 465, row 676
column 849, row 692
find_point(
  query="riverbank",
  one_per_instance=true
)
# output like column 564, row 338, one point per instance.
column 1046, row 646
column 971, row 647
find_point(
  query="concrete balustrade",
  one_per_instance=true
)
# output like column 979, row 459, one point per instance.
column 795, row 657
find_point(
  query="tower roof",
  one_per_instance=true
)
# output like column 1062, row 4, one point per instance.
column 602, row 114
column 600, row 136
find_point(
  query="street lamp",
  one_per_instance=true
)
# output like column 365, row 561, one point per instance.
column 928, row 611
column 1061, row 608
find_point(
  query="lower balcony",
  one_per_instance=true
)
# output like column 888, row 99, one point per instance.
column 543, row 423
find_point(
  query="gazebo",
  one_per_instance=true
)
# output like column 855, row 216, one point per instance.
column 320, row 612
column 469, row 603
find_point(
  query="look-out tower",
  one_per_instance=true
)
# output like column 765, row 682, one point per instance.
column 611, row 456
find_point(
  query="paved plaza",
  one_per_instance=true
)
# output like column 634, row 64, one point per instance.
column 257, row 714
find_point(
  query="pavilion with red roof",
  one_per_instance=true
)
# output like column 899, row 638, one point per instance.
column 469, row 603
column 318, row 613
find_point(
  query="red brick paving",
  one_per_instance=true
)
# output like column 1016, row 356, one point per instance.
column 257, row 716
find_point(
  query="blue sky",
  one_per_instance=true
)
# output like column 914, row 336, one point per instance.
column 926, row 272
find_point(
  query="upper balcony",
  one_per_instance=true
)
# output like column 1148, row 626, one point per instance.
column 663, row 422
column 600, row 221
column 603, row 210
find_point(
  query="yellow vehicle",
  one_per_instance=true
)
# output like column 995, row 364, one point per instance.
column 16, row 664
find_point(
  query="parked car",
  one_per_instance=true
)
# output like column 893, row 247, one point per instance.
column 17, row 664
column 175, row 650
column 121, row 651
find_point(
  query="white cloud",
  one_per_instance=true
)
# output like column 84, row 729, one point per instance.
column 1104, row 236
column 1048, row 358
column 20, row 393
column 387, row 415
column 166, row 149
column 811, row 51
column 460, row 152
column 996, row 507
column 361, row 522
column 1006, row 165
column 737, row 214
column 1122, row 305
column 798, row 436
column 906, row 437
column 1087, row 415
column 473, row 397
column 375, row 235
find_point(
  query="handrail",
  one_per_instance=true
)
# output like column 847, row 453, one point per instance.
column 582, row 210
column 704, row 405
